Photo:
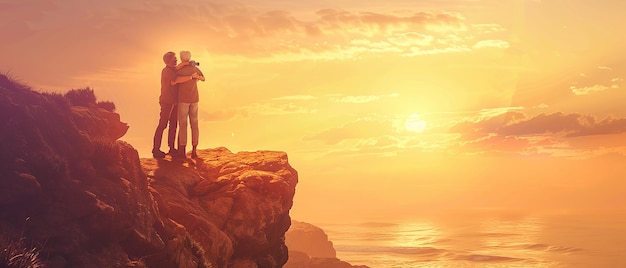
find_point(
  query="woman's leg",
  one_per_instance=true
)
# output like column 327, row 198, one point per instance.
column 193, row 122
column 183, row 111
column 195, row 134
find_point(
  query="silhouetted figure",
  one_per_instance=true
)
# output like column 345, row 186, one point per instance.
column 188, row 103
column 168, row 102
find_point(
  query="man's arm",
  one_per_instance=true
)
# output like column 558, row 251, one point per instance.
column 182, row 79
column 181, row 65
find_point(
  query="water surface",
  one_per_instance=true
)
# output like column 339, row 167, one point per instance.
column 485, row 240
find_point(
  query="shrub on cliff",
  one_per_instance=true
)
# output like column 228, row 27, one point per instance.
column 57, row 98
column 107, row 105
column 86, row 97
column 81, row 97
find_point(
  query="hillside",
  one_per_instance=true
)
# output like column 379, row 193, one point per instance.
column 72, row 192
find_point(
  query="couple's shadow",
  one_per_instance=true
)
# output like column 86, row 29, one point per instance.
column 170, row 160
column 171, row 170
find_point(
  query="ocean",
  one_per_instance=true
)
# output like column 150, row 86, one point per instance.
column 484, row 240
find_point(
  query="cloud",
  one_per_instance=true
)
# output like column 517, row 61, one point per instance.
column 488, row 28
column 498, row 143
column 341, row 34
column 556, row 134
column 358, row 99
column 330, row 23
column 491, row 43
column 411, row 39
column 507, row 131
column 338, row 19
column 615, row 82
column 588, row 90
column 333, row 26
column 276, row 106
column 92, row 39
column 491, row 112
column 384, row 146
column 222, row 115
column 609, row 125
column 560, row 125
column 416, row 51
column 375, row 47
column 295, row 97
column 597, row 80
column 85, row 37
column 486, row 125
column 361, row 99
column 360, row 129
column 277, row 109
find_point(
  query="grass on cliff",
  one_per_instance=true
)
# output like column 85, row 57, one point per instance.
column 15, row 254
column 198, row 251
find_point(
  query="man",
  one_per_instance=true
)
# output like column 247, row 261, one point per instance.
column 168, row 101
column 188, row 103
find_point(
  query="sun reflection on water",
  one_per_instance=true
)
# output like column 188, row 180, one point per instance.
column 414, row 234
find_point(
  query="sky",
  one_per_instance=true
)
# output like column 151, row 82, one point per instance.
column 387, row 109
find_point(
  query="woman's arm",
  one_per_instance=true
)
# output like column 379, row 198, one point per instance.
column 199, row 75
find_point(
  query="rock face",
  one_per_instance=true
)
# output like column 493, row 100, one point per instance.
column 308, row 238
column 309, row 247
column 85, row 199
column 236, row 205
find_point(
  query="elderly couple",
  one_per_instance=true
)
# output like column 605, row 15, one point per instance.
column 179, row 101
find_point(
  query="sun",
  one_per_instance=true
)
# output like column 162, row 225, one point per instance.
column 414, row 123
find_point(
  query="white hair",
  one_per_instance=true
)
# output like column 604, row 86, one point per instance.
column 185, row 55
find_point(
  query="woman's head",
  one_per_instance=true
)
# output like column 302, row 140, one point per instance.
column 185, row 55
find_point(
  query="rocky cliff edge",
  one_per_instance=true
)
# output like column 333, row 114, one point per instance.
column 70, row 189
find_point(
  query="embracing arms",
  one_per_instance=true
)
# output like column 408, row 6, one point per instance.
column 185, row 78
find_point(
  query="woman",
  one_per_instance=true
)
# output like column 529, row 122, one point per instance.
column 188, row 103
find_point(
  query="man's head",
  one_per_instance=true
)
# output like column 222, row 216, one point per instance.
column 169, row 58
column 185, row 56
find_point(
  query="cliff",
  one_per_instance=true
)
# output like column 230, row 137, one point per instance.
column 235, row 205
column 309, row 247
column 82, row 198
column 310, row 239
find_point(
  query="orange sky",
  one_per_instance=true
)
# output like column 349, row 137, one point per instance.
column 383, row 107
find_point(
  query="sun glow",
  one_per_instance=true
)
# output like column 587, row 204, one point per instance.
column 414, row 123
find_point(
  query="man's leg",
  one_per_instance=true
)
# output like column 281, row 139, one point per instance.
column 171, row 135
column 158, row 133
column 195, row 132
